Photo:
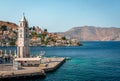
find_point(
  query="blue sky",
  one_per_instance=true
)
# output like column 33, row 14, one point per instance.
column 61, row 15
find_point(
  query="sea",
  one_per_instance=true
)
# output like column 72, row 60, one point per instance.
column 94, row 61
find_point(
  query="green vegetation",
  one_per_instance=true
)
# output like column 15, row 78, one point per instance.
column 3, row 27
column 12, row 43
column 37, row 37
column 63, row 38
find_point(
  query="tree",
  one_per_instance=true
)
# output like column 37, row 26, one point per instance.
column 45, row 30
column 63, row 38
column 30, row 28
column 33, row 27
column 3, row 27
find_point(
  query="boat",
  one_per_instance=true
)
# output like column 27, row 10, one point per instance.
column 67, row 58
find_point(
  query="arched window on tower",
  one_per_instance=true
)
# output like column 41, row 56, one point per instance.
column 20, row 35
column 20, row 24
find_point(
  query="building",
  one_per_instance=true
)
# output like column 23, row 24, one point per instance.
column 28, row 61
column 23, row 39
column 23, row 55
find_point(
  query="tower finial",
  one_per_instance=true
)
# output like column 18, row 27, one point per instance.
column 23, row 14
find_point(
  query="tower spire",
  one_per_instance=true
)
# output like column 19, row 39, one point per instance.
column 23, row 18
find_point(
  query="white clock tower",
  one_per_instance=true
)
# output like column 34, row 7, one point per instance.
column 23, row 39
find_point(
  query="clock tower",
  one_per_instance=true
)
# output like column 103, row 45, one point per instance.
column 23, row 39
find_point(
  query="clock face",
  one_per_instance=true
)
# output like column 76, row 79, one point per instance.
column 20, row 43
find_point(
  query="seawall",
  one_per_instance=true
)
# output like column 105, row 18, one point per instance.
column 25, row 73
column 48, row 65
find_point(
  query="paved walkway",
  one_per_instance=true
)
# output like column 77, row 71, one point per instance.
column 6, row 70
column 6, row 67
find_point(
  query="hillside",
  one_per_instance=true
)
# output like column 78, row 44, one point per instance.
column 8, row 24
column 38, row 37
column 8, row 33
column 91, row 33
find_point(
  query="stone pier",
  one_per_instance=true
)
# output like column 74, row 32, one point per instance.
column 46, row 65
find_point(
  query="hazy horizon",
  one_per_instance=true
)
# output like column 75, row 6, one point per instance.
column 61, row 15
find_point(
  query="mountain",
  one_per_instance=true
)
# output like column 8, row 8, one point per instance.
column 91, row 33
column 8, row 31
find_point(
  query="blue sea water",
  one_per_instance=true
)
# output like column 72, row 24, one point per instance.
column 94, row 61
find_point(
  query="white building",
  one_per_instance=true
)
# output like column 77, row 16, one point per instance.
column 23, row 39
column 23, row 55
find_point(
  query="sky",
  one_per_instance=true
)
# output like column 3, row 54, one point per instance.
column 62, row 15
